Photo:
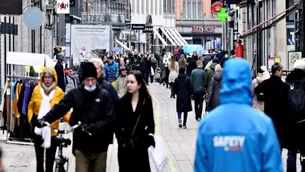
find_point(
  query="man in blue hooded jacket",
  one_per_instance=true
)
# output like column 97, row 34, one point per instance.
column 236, row 137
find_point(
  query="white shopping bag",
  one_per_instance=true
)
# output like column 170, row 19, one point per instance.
column 152, row 72
column 157, row 156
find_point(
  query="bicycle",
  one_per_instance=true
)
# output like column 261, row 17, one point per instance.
column 61, row 160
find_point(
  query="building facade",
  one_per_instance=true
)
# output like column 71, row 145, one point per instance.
column 268, row 32
column 160, row 15
column 196, row 23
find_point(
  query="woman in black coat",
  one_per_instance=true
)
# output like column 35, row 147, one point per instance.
column 135, row 125
column 183, row 89
column 294, row 140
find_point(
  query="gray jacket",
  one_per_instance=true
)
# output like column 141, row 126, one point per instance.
column 214, row 91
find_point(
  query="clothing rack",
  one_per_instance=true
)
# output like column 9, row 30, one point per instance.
column 22, row 77
column 23, row 59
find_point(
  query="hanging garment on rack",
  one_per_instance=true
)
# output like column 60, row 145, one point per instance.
column 8, row 106
column 12, row 115
column 2, row 105
column 20, row 100
column 15, row 103
column 26, row 99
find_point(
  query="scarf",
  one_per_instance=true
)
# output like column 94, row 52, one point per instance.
column 45, row 107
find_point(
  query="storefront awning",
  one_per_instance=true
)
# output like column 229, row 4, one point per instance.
column 277, row 18
column 121, row 44
column 160, row 37
column 167, row 36
column 179, row 35
column 177, row 38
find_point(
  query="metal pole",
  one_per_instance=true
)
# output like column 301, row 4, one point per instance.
column 302, row 29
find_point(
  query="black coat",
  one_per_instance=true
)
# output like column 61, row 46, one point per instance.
column 136, row 158
column 93, row 109
column 59, row 68
column 275, row 93
column 294, row 139
column 183, row 89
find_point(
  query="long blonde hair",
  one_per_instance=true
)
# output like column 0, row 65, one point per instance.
column 173, row 61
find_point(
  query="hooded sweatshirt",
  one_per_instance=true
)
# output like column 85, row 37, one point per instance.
column 236, row 137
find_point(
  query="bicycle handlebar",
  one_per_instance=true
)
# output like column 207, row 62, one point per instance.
column 66, row 131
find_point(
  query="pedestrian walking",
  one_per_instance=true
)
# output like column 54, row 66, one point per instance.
column 275, row 95
column 44, row 97
column 262, row 75
column 111, row 70
column 183, row 89
column 197, row 78
column 92, row 106
column 101, row 79
column 173, row 74
column 295, row 127
column 213, row 99
column 135, row 125
column 235, row 137
column 121, row 82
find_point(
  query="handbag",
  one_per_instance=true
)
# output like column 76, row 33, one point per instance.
column 131, row 140
column 158, row 159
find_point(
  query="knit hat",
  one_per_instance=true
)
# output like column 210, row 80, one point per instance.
column 88, row 70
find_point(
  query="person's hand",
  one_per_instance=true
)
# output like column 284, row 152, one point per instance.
column 41, row 123
column 151, row 141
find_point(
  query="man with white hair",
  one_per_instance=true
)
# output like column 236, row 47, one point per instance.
column 99, row 65
column 295, row 124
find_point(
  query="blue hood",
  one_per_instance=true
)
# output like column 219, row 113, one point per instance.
column 236, row 82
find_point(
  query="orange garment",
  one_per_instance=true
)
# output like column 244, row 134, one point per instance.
column 14, row 104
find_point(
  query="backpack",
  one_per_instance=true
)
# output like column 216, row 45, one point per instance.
column 296, row 100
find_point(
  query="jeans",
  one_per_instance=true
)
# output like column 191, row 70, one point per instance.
column 89, row 162
column 198, row 104
column 50, row 154
column 292, row 161
column 184, row 117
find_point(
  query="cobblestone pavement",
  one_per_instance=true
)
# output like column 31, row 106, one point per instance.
column 180, row 143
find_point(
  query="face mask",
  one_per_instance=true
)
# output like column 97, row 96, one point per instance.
column 90, row 89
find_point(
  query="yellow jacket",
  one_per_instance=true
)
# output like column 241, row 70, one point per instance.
column 36, row 98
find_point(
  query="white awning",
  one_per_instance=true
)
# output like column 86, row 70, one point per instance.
column 167, row 30
column 181, row 38
column 168, row 37
column 121, row 44
column 160, row 37
column 176, row 37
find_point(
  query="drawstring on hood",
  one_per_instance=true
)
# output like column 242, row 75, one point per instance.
column 236, row 82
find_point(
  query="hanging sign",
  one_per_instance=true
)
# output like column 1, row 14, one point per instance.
column 222, row 15
column 216, row 6
column 63, row 6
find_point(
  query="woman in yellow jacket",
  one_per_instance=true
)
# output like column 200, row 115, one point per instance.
column 45, row 95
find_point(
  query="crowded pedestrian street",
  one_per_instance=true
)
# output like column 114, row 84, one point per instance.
column 180, row 143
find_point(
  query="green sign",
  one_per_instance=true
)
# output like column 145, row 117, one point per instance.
column 222, row 15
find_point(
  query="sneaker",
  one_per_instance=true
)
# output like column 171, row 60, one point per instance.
column 180, row 123
column 184, row 127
